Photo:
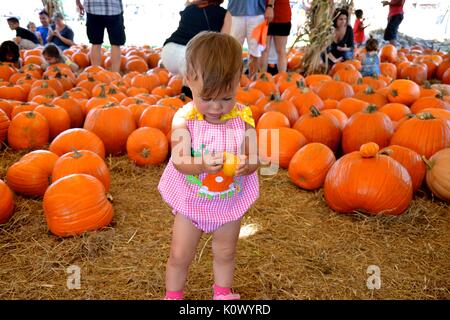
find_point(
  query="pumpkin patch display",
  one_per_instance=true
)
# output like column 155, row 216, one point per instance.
column 28, row 130
column 367, row 181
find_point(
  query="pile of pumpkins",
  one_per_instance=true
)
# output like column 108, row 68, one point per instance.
column 84, row 117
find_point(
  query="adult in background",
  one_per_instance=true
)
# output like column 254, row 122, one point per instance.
column 247, row 14
column 342, row 46
column 395, row 18
column 25, row 39
column 44, row 28
column 60, row 34
column 279, row 30
column 196, row 17
column 101, row 15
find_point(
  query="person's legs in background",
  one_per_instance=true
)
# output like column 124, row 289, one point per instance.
column 254, row 48
column 280, row 45
column 95, row 31
column 116, row 33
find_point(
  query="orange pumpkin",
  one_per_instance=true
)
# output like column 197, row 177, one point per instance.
column 67, row 215
column 403, row 91
column 77, row 139
column 112, row 124
column 7, row 203
column 412, row 162
column 28, row 130
column 159, row 117
column 147, row 146
column 310, row 165
column 82, row 161
column 375, row 184
column 367, row 126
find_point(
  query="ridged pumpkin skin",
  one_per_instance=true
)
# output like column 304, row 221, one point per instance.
column 147, row 146
column 403, row 91
column 4, row 125
column 7, row 203
column 272, row 120
column 279, row 151
column 113, row 125
column 424, row 134
column 70, row 213
column 77, row 139
column 367, row 126
column 28, row 130
column 82, row 161
column 438, row 174
column 30, row 176
column 321, row 128
column 412, row 162
column 310, row 165
column 375, row 185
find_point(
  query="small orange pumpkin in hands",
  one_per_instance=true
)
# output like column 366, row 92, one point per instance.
column 230, row 164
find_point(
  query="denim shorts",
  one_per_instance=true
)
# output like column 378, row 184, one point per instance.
column 392, row 27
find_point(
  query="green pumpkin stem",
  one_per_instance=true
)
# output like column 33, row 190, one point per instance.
column 314, row 111
column 428, row 163
column 371, row 108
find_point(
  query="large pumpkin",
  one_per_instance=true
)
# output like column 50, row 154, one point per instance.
column 28, row 130
column 305, row 99
column 285, row 107
column 82, row 161
column 367, row 126
column 424, row 134
column 412, row 162
column 159, row 117
column 113, row 125
column 272, row 120
column 373, row 183
column 58, row 119
column 7, row 203
column 438, row 174
column 403, row 91
column 77, row 139
column 321, row 128
column 310, row 165
column 336, row 90
column 147, row 146
column 30, row 176
column 70, row 213
column 278, row 146
column 4, row 125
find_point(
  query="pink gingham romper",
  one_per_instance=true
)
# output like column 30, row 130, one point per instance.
column 208, row 200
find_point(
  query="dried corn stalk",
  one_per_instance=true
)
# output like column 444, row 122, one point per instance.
column 53, row 6
column 319, row 30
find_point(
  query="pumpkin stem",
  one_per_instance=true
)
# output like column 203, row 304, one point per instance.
column 386, row 152
column 76, row 154
column 428, row 163
column 427, row 84
column 394, row 92
column 425, row 116
column 31, row 115
column 65, row 95
column 314, row 111
column 183, row 97
column 371, row 108
column 145, row 153
column 359, row 81
column 300, row 84
column 369, row 90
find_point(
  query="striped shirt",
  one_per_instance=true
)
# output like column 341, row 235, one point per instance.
column 104, row 7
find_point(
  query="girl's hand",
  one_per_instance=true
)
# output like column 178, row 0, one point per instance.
column 212, row 163
column 244, row 168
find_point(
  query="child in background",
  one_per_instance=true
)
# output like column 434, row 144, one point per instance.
column 194, row 184
column 53, row 55
column 10, row 52
column 358, row 28
column 370, row 61
column 32, row 27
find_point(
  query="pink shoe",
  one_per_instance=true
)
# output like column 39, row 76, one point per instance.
column 171, row 299
column 230, row 296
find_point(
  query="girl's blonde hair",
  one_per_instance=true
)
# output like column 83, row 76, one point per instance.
column 216, row 58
